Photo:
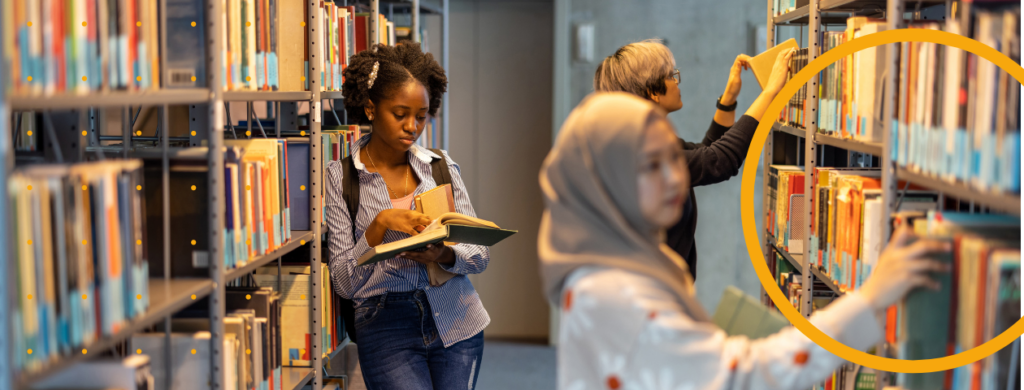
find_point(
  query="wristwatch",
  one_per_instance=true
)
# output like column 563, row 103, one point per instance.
column 732, row 107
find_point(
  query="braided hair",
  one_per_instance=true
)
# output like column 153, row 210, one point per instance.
column 396, row 66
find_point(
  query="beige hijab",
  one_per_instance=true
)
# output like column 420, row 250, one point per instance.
column 593, row 212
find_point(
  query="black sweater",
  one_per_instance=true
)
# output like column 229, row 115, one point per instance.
column 716, row 159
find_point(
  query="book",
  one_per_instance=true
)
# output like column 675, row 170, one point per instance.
column 434, row 203
column 451, row 227
column 762, row 64
column 739, row 314
column 983, row 286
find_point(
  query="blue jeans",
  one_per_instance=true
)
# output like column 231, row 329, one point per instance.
column 400, row 348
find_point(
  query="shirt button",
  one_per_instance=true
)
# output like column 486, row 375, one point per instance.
column 426, row 288
column 437, row 314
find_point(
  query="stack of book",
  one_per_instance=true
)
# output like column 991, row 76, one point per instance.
column 80, row 254
column 978, row 299
column 79, row 46
column 294, row 289
column 339, row 27
column 957, row 116
column 851, row 102
column 252, row 342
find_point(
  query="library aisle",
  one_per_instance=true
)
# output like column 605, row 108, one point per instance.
column 165, row 162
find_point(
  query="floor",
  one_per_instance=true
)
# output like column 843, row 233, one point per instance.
column 506, row 366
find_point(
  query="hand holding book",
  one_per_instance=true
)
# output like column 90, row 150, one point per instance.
column 905, row 264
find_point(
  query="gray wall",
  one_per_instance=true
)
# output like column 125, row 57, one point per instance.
column 500, row 95
column 705, row 37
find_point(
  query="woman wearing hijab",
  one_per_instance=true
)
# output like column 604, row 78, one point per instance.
column 614, row 181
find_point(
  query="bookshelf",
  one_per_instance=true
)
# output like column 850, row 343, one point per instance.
column 814, row 149
column 74, row 113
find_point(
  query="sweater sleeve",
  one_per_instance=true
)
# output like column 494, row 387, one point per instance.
column 721, row 159
column 715, row 131
column 637, row 334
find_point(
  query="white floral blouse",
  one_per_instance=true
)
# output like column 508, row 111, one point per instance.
column 621, row 330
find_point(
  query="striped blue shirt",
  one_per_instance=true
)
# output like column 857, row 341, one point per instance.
column 458, row 312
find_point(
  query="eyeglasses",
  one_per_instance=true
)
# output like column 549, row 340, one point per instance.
column 674, row 75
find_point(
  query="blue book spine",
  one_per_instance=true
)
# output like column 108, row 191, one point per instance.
column 20, row 359
column 275, row 81
column 298, row 175
column 1011, row 159
column 260, row 80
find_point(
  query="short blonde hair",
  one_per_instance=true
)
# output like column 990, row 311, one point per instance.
column 639, row 68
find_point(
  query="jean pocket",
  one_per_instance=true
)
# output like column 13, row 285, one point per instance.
column 366, row 314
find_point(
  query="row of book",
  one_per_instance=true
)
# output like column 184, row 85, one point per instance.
column 958, row 113
column 431, row 136
column 337, row 143
column 251, row 43
column 793, row 113
column 845, row 236
column 345, row 33
column 78, row 46
column 257, row 198
column 978, row 300
column 80, row 255
column 850, row 89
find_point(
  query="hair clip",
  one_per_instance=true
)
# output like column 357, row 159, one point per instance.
column 373, row 74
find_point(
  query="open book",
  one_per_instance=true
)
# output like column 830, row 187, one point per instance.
column 450, row 227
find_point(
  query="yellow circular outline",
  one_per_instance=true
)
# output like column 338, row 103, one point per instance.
column 747, row 202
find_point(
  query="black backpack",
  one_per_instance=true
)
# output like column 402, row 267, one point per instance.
column 350, row 193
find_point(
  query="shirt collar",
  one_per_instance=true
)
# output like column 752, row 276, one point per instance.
column 422, row 154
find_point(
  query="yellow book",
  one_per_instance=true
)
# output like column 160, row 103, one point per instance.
column 433, row 204
column 763, row 63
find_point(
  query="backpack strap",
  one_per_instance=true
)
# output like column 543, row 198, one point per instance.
column 350, row 188
column 439, row 169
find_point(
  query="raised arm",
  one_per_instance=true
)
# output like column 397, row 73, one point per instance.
column 723, row 158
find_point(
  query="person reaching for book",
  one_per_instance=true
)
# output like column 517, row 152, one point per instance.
column 412, row 334
column 647, row 69
column 614, row 181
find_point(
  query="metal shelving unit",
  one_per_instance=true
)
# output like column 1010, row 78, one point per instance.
column 170, row 295
column 814, row 17
column 207, row 109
